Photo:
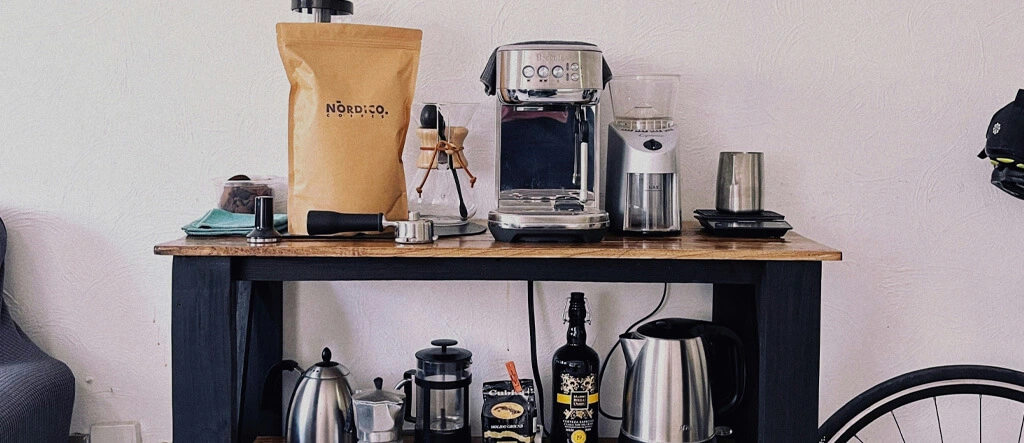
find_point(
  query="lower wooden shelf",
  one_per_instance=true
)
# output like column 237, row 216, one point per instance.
column 409, row 439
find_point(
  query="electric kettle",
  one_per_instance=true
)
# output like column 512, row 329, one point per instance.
column 321, row 406
column 667, row 391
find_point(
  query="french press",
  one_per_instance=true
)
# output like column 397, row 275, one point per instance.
column 442, row 381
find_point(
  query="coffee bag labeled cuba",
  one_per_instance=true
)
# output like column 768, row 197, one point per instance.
column 352, row 89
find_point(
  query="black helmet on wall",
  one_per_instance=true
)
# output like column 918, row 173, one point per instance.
column 1004, row 147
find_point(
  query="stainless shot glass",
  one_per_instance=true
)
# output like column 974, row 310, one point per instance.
column 740, row 182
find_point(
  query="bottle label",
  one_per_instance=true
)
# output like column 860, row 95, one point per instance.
column 580, row 396
column 578, row 400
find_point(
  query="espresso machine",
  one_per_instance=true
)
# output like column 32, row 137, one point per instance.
column 643, row 183
column 548, row 142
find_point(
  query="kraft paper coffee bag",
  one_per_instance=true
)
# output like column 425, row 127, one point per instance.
column 351, row 96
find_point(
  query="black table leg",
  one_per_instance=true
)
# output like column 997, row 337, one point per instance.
column 734, row 307
column 203, row 377
column 783, row 312
column 260, row 314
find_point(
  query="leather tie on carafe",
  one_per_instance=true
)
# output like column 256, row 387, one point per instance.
column 453, row 153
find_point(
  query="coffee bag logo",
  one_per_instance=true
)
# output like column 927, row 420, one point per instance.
column 507, row 410
column 339, row 109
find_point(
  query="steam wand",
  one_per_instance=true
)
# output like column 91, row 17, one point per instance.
column 583, row 132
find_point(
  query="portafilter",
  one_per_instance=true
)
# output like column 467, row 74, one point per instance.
column 413, row 231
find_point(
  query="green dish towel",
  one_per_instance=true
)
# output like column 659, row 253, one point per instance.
column 221, row 222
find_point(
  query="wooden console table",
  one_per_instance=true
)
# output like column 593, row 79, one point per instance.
column 227, row 302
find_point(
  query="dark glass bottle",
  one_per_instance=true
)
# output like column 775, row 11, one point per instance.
column 574, row 370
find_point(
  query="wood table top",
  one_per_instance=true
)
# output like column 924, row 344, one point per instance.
column 692, row 244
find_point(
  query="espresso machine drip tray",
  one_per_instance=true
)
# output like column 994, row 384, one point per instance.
column 548, row 226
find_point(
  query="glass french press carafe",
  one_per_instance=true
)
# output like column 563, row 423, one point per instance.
column 441, row 402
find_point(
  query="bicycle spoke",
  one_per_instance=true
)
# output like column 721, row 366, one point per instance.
column 898, row 426
column 979, row 418
column 862, row 441
column 1021, row 433
column 938, row 420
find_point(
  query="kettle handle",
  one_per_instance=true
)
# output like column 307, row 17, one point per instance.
column 406, row 386
column 273, row 383
column 739, row 362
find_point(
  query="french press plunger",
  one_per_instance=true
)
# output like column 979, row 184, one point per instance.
column 442, row 381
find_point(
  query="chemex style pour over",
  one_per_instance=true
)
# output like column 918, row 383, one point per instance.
column 442, row 190
column 548, row 145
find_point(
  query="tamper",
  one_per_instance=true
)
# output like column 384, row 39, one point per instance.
column 264, row 233
column 323, row 10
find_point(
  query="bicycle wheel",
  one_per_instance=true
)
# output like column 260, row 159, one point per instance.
column 961, row 403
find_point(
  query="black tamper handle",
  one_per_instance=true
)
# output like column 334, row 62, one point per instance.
column 263, row 224
column 330, row 222
column 264, row 213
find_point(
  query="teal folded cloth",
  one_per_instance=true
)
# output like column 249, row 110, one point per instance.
column 221, row 222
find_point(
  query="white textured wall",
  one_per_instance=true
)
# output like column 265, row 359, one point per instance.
column 115, row 115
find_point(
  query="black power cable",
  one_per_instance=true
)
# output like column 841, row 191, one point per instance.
column 533, row 354
column 600, row 377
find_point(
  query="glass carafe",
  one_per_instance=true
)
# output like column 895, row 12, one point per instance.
column 446, row 405
column 442, row 189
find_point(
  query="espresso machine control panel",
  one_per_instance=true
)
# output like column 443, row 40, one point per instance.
column 550, row 73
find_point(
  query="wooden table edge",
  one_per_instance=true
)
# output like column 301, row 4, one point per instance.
column 576, row 251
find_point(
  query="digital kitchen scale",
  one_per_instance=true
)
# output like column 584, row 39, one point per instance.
column 764, row 224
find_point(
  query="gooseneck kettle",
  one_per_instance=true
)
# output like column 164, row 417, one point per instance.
column 667, row 391
column 321, row 405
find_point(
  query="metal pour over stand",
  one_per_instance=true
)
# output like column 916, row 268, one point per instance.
column 323, row 10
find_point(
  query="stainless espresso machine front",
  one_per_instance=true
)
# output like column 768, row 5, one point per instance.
column 548, row 142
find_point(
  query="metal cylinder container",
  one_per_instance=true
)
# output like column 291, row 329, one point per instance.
column 740, row 182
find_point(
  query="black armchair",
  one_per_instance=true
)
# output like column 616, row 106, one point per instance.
column 37, row 392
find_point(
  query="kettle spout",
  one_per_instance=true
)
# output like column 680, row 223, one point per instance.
column 631, row 343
